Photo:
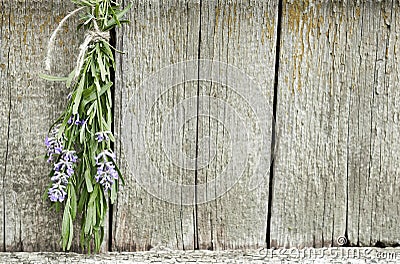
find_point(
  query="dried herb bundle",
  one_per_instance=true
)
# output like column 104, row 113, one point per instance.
column 85, row 173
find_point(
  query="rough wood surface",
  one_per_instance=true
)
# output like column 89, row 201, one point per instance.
column 161, row 33
column 335, row 173
column 336, row 170
column 309, row 201
column 241, row 34
column 29, row 105
column 260, row 256
column 236, row 163
column 371, row 74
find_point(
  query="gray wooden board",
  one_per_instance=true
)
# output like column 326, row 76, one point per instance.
column 338, row 117
column 337, row 111
column 309, row 200
column 161, row 33
column 371, row 74
column 29, row 105
column 235, row 109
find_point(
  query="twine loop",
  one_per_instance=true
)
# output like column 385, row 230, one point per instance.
column 91, row 36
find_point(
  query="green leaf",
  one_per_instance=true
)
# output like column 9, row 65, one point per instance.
column 101, row 209
column 92, row 96
column 100, row 63
column 106, row 48
column 88, row 218
column 93, row 195
column 82, row 201
column 71, row 234
column 82, row 134
column 52, row 78
column 97, row 241
column 78, row 95
column 88, row 181
column 118, row 16
column 70, row 78
column 73, row 202
column 65, row 229
column 94, row 220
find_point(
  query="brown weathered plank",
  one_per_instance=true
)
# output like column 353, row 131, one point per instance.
column 233, row 165
column 373, row 154
column 161, row 33
column 309, row 200
column 29, row 105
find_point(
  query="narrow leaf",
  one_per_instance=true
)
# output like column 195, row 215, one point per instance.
column 118, row 16
column 88, row 181
column 52, row 78
column 73, row 202
column 65, row 232
column 78, row 95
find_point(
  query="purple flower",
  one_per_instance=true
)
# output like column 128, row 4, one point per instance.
column 63, row 170
column 75, row 119
column 106, row 172
column 101, row 136
column 57, row 194
column 53, row 144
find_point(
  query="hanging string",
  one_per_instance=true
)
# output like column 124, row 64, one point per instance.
column 94, row 35
column 50, row 45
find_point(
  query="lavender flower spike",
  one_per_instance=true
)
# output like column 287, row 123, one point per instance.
column 101, row 136
column 75, row 119
column 53, row 144
column 106, row 173
column 63, row 170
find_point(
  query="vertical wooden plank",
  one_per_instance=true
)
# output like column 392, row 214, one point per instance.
column 5, row 97
column 373, row 149
column 337, row 108
column 241, row 34
column 161, row 33
column 29, row 105
column 309, row 200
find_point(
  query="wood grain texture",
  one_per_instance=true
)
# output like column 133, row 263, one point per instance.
column 29, row 105
column 337, row 113
column 241, row 34
column 373, row 149
column 336, row 170
column 309, row 201
column 259, row 256
column 161, row 33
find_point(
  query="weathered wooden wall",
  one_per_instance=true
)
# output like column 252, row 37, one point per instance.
column 29, row 105
column 337, row 110
column 335, row 173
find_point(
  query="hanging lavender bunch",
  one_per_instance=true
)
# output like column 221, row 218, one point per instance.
column 84, row 171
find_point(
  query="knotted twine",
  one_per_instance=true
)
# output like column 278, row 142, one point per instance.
column 95, row 35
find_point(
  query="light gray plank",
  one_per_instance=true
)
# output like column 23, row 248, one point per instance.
column 373, row 175
column 161, row 33
column 309, row 200
column 337, row 111
column 29, row 105
column 235, row 122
